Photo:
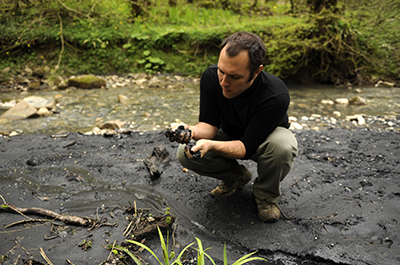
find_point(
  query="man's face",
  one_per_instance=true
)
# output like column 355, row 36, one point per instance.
column 234, row 73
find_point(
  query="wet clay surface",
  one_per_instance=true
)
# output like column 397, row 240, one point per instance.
column 343, row 191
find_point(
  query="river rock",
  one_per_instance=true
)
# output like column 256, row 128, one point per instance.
column 381, row 83
column 38, row 72
column 112, row 125
column 342, row 101
column 358, row 101
column 40, row 102
column 87, row 82
column 21, row 110
column 34, row 86
column 327, row 102
column 8, row 104
column 295, row 126
column 122, row 99
column 43, row 112
column 357, row 118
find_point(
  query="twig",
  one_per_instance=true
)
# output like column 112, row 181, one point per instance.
column 109, row 255
column 323, row 217
column 27, row 221
column 45, row 257
column 62, row 42
column 91, row 9
column 16, row 210
column 294, row 183
column 73, row 10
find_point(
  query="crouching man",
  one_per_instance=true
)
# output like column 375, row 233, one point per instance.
column 243, row 115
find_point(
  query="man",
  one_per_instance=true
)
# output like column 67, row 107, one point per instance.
column 243, row 115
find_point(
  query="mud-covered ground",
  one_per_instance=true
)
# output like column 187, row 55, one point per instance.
column 344, row 194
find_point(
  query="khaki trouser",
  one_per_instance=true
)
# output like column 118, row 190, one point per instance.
column 274, row 159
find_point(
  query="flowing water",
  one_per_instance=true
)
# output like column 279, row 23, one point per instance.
column 153, row 107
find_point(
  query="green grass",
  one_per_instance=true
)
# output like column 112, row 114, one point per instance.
column 169, row 257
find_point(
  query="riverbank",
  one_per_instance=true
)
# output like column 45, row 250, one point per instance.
column 343, row 192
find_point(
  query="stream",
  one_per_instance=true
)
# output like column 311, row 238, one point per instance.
column 156, row 103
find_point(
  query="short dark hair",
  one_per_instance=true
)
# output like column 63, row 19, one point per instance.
column 247, row 41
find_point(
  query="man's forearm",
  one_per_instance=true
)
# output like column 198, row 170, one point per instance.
column 229, row 149
column 203, row 131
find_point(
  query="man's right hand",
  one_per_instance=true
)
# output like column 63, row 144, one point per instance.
column 179, row 134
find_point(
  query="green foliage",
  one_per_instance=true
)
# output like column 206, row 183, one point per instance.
column 86, row 244
column 170, row 257
column 349, row 41
column 151, row 63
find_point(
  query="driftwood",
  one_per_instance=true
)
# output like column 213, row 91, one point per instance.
column 68, row 219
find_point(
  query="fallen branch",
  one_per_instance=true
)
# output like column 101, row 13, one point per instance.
column 68, row 219
column 45, row 257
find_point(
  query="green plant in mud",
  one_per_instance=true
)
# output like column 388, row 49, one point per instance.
column 169, row 258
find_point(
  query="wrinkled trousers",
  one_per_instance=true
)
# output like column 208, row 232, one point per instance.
column 274, row 158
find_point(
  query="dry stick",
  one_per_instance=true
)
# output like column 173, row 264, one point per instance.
column 73, row 10
column 112, row 249
column 27, row 221
column 45, row 257
column 77, row 220
column 62, row 42
column 69, row 262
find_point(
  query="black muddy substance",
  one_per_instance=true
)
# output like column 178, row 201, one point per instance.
column 343, row 191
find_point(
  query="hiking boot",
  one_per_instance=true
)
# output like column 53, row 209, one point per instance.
column 227, row 188
column 268, row 212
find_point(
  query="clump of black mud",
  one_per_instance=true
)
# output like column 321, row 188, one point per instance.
column 343, row 194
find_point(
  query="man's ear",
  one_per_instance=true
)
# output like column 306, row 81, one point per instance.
column 258, row 71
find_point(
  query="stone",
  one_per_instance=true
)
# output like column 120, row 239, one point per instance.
column 38, row 72
column 43, row 112
column 357, row 118
column 327, row 102
column 358, row 101
column 337, row 113
column 39, row 102
column 112, row 125
column 8, row 104
column 21, row 110
column 34, row 86
column 87, row 82
column 122, row 99
column 295, row 126
column 381, row 83
column 342, row 101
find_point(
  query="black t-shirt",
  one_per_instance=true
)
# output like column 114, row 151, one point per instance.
column 249, row 117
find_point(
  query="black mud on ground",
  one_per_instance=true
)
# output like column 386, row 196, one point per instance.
column 344, row 192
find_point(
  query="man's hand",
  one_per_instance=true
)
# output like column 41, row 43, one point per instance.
column 179, row 134
column 189, row 153
column 201, row 147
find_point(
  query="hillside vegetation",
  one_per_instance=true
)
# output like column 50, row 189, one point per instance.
column 328, row 41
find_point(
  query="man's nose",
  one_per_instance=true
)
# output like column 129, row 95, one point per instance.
column 224, row 81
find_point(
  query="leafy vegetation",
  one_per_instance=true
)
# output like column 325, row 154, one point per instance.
column 333, row 41
column 168, row 256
